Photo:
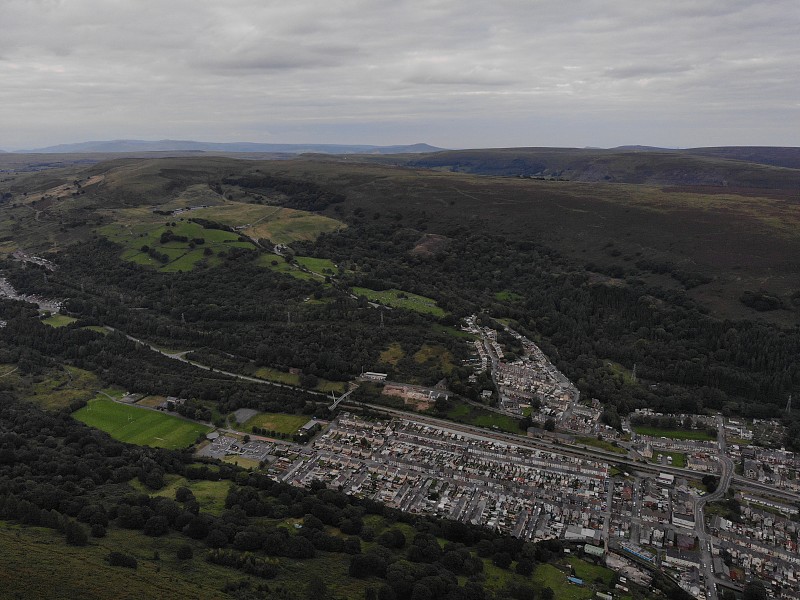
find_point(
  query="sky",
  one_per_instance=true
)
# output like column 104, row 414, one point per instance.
column 452, row 73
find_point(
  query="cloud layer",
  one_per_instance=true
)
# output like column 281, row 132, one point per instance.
column 452, row 73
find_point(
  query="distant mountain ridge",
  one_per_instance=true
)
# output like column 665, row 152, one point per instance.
column 114, row 146
column 727, row 166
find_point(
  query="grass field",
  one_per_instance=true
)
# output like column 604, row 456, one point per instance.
column 401, row 299
column 472, row 415
column 437, row 355
column 209, row 494
column 279, row 265
column 509, row 296
column 678, row 458
column 675, row 434
column 59, row 320
column 37, row 563
column 590, row 572
column 549, row 576
column 59, row 388
column 280, row 422
column 98, row 329
column 392, row 354
column 323, row 385
column 318, row 265
column 602, row 444
column 139, row 425
column 277, row 376
column 626, row 374
column 182, row 257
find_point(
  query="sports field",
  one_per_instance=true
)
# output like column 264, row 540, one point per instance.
column 282, row 423
column 59, row 320
column 139, row 425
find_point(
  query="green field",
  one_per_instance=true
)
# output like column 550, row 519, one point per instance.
column 280, row 422
column 61, row 387
column 549, row 576
column 509, row 296
column 678, row 458
column 436, row 355
column 401, row 299
column 139, row 425
column 278, row 376
column 323, row 266
column 392, row 354
column 37, row 563
column 279, row 265
column 675, row 434
column 590, row 572
column 182, row 256
column 602, row 444
column 209, row 494
column 97, row 329
column 59, row 320
column 472, row 415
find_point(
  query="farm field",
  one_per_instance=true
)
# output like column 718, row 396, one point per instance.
column 58, row 320
column 401, row 299
column 675, row 434
column 139, row 425
column 280, row 422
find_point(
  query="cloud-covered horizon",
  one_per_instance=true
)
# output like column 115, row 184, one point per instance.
column 451, row 73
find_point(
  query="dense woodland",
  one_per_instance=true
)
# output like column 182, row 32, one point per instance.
column 686, row 360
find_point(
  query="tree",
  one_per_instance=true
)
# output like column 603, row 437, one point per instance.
column 550, row 424
column 316, row 588
column 524, row 567
column 75, row 533
column 184, row 552
column 755, row 590
column 502, row 560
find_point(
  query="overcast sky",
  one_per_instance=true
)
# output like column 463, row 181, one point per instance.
column 453, row 73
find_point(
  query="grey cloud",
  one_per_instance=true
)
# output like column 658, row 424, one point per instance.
column 644, row 71
column 323, row 71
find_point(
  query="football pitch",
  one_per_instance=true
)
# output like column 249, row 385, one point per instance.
column 138, row 425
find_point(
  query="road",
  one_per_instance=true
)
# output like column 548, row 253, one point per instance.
column 726, row 474
column 181, row 357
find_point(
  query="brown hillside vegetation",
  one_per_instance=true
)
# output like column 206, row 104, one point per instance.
column 716, row 239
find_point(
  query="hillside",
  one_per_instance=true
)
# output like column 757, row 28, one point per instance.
column 725, row 167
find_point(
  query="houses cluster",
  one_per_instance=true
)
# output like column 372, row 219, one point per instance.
column 530, row 380
column 776, row 467
column 761, row 544
column 532, row 494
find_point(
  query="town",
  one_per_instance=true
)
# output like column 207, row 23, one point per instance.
column 706, row 506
